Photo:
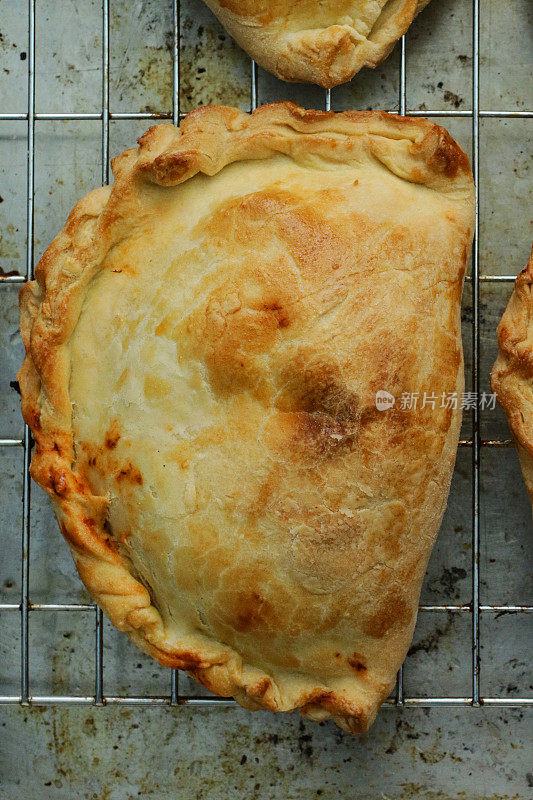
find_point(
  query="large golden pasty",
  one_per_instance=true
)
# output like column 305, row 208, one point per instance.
column 205, row 341
column 512, row 374
column 317, row 42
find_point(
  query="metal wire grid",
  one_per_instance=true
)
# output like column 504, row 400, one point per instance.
column 476, row 443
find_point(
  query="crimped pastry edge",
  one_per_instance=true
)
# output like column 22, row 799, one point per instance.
column 326, row 56
column 512, row 374
column 206, row 141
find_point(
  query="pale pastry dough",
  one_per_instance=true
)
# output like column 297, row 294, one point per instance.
column 317, row 42
column 205, row 340
column 512, row 374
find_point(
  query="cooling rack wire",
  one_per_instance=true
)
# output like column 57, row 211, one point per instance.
column 476, row 444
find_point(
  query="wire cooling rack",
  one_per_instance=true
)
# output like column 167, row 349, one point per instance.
column 475, row 444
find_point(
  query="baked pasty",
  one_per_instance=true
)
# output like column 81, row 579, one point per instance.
column 317, row 42
column 512, row 374
column 205, row 340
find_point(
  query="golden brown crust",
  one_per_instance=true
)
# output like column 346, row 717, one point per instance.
column 512, row 374
column 322, row 43
column 299, row 518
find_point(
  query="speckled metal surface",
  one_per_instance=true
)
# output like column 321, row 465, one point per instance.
column 117, row 753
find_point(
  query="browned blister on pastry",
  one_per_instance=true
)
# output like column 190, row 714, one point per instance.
column 512, row 374
column 205, row 340
column 317, row 42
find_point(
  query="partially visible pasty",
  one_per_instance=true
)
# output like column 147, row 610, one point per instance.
column 317, row 42
column 512, row 374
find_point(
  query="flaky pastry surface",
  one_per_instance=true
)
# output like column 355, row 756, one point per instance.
column 512, row 374
column 317, row 42
column 205, row 340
